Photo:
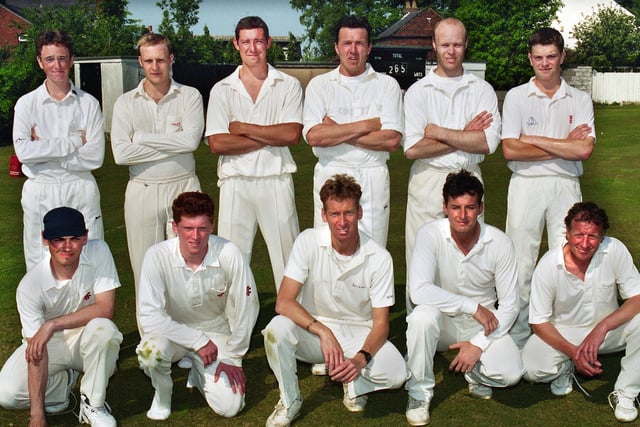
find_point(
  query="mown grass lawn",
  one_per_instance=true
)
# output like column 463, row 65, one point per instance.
column 611, row 179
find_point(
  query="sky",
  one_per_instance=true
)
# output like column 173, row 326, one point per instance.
column 221, row 16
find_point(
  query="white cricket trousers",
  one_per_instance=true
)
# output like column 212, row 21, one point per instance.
column 40, row 195
column 92, row 349
column 267, row 202
column 147, row 214
column 429, row 330
column 156, row 353
column 542, row 362
column 424, row 204
column 284, row 342
column 532, row 202
column 375, row 200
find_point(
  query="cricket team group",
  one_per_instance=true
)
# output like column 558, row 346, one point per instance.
column 471, row 288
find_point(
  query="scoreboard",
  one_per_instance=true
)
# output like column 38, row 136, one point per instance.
column 406, row 64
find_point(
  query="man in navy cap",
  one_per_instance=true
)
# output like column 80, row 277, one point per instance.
column 65, row 303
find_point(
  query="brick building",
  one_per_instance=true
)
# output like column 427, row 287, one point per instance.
column 415, row 29
column 12, row 25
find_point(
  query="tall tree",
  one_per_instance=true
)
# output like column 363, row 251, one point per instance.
column 607, row 39
column 178, row 16
column 320, row 17
column 499, row 31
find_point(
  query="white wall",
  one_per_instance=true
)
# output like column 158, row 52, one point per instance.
column 616, row 87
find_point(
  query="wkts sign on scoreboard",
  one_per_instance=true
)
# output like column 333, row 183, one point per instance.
column 406, row 64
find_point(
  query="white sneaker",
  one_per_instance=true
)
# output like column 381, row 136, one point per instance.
column 282, row 416
column 478, row 390
column 623, row 406
column 319, row 369
column 563, row 384
column 353, row 404
column 159, row 410
column 72, row 377
column 96, row 417
column 418, row 412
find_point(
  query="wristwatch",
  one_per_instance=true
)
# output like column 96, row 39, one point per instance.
column 366, row 354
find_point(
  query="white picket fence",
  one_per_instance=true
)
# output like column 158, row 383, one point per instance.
column 608, row 88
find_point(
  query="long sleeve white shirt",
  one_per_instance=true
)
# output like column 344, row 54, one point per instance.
column 58, row 153
column 442, row 276
column 157, row 140
column 183, row 305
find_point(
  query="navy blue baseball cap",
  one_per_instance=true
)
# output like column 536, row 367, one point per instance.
column 63, row 221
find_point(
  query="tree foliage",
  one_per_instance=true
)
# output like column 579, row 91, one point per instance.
column 96, row 28
column 293, row 54
column 499, row 31
column 178, row 16
column 607, row 39
column 320, row 17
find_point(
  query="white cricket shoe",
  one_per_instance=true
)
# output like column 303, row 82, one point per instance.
column 96, row 417
column 623, row 406
column 283, row 416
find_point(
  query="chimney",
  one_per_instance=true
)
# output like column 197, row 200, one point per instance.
column 409, row 6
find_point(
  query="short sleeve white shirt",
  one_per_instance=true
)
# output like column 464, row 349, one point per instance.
column 279, row 101
column 338, row 287
column 561, row 298
column 452, row 105
column 376, row 95
column 528, row 111
column 41, row 297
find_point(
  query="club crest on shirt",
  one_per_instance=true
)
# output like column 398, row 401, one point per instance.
column 87, row 297
column 531, row 121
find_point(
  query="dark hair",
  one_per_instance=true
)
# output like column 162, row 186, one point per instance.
column 192, row 203
column 48, row 37
column 460, row 183
column 351, row 21
column 587, row 212
column 249, row 23
column 546, row 36
column 153, row 39
column 340, row 187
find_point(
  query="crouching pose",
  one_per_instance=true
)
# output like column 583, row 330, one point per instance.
column 574, row 310
column 197, row 300
column 461, row 270
column 333, row 308
column 65, row 303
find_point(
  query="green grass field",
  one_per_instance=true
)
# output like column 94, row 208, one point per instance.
column 611, row 179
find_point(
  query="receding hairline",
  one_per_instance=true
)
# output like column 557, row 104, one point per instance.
column 453, row 22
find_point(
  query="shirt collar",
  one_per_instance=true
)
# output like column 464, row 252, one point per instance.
column 48, row 281
column 44, row 96
column 369, row 73
column 174, row 87
column 366, row 246
column 431, row 79
column 211, row 258
column 533, row 90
